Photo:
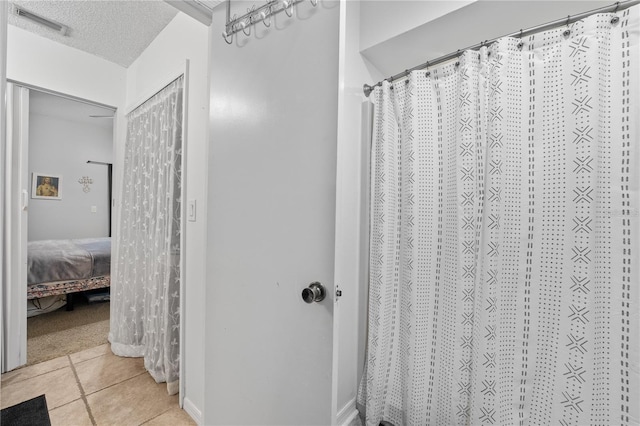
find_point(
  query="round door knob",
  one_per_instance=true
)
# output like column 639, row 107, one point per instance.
column 314, row 293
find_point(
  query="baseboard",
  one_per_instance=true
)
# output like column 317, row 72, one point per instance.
column 347, row 413
column 345, row 416
column 192, row 410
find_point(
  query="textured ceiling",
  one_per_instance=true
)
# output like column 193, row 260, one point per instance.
column 116, row 30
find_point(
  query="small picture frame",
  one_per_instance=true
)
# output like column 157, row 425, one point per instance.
column 46, row 186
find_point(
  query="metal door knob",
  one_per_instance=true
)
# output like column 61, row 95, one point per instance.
column 314, row 293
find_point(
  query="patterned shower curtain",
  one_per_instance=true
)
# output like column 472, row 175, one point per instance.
column 145, row 287
column 504, row 265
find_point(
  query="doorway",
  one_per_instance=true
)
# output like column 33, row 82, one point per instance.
column 56, row 142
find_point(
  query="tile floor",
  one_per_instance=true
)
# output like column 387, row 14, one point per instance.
column 95, row 387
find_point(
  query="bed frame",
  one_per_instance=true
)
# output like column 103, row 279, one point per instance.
column 36, row 291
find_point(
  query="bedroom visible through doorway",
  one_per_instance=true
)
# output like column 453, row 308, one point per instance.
column 68, row 184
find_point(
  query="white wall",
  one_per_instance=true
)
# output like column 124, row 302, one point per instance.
column 446, row 28
column 383, row 20
column 62, row 147
column 185, row 38
column 44, row 63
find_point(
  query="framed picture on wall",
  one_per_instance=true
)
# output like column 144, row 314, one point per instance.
column 46, row 186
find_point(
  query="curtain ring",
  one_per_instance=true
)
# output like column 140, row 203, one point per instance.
column 227, row 38
column 287, row 6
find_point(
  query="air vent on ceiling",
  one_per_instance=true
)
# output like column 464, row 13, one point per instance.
column 62, row 29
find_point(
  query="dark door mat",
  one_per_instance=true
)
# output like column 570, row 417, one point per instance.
column 33, row 412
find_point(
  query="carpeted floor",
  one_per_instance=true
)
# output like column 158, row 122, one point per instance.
column 62, row 333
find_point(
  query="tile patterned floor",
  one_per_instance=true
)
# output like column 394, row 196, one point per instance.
column 95, row 387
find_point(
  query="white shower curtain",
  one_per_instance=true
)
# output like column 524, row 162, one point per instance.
column 145, row 296
column 504, row 264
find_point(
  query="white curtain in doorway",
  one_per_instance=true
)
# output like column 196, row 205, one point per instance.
column 145, row 286
column 504, row 262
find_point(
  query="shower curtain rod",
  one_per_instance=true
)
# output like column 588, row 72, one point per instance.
column 615, row 7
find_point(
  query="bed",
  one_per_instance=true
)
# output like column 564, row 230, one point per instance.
column 57, row 267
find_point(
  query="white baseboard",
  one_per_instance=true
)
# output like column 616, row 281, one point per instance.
column 347, row 413
column 192, row 410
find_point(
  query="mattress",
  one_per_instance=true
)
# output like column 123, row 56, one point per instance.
column 67, row 266
column 66, row 260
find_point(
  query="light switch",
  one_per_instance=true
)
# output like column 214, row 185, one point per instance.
column 94, row 209
column 191, row 210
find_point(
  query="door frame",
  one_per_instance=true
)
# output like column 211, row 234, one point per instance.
column 14, row 352
column 15, row 231
column 4, row 9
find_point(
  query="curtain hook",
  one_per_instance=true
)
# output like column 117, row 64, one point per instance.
column 243, row 26
column 227, row 38
column 520, row 43
column 567, row 32
column 615, row 19
column 428, row 73
column 264, row 15
column 287, row 6
column 314, row 3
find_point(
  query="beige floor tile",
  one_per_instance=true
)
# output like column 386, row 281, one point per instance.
column 74, row 413
column 132, row 402
column 174, row 417
column 90, row 353
column 106, row 370
column 34, row 370
column 59, row 387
